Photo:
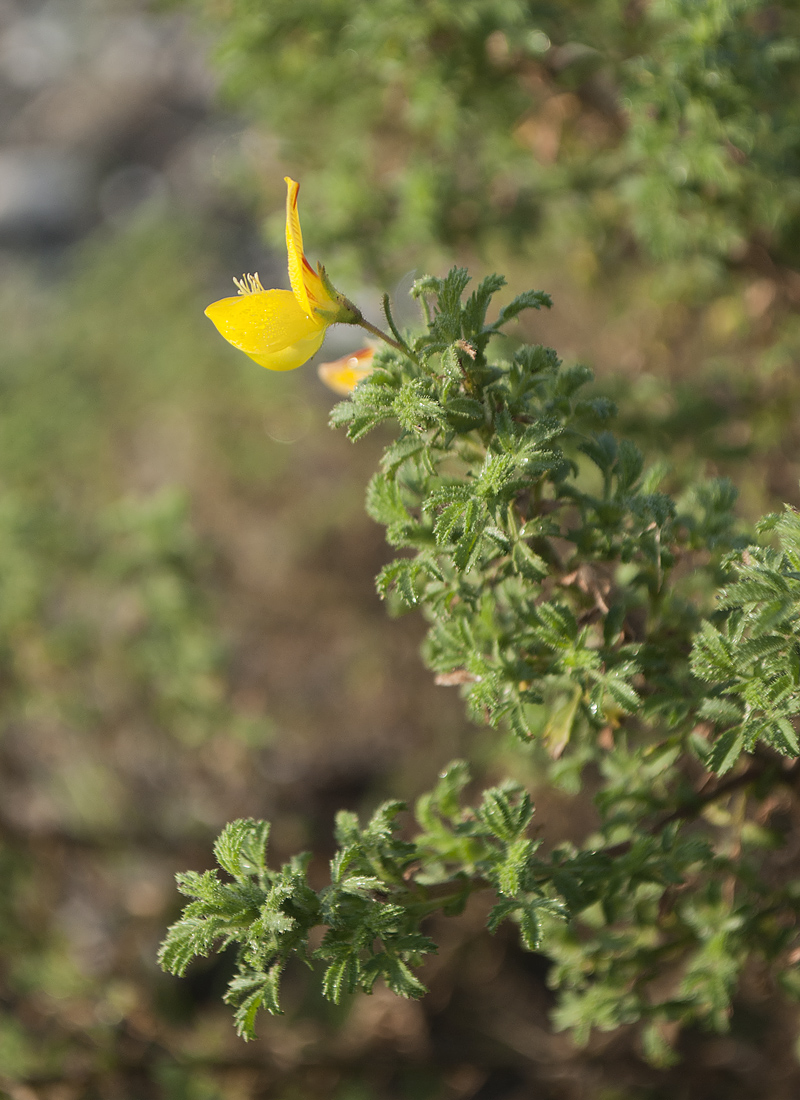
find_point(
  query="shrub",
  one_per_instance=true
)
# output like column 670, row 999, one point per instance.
column 632, row 639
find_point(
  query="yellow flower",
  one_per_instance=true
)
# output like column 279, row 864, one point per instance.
column 342, row 375
column 282, row 329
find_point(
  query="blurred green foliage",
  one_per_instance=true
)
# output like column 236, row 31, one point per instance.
column 188, row 631
column 672, row 126
column 107, row 626
column 122, row 736
column 97, row 591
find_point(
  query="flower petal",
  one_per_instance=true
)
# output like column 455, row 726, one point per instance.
column 292, row 357
column 270, row 327
column 342, row 375
column 294, row 246
column 307, row 287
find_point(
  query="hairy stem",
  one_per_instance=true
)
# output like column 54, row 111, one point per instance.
column 363, row 323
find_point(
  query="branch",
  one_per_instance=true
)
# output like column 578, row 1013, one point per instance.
column 438, row 896
column 694, row 806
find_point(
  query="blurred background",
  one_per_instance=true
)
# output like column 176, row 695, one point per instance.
column 189, row 630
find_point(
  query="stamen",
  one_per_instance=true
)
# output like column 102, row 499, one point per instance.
column 249, row 284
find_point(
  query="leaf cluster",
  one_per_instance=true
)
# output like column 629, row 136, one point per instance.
column 533, row 539
column 618, row 631
column 381, row 888
column 752, row 659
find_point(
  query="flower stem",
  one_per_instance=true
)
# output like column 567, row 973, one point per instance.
column 377, row 332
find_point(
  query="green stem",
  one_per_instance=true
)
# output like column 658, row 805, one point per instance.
column 439, row 901
column 387, row 312
column 382, row 335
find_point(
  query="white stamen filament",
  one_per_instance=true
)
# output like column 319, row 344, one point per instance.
column 249, row 284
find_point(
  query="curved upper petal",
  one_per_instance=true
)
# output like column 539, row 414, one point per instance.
column 270, row 327
column 294, row 246
column 307, row 287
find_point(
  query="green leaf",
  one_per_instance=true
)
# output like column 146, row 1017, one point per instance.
column 362, row 885
column 341, row 977
column 401, row 576
column 348, row 830
column 559, row 628
column 446, row 795
column 241, row 847
column 630, row 463
column 530, row 928
column 406, row 447
column 785, row 738
column 450, row 290
column 384, row 501
column 476, row 305
column 400, row 979
column 342, row 414
column 250, row 992
column 506, row 811
column 603, row 451
column 511, row 872
column 501, row 911
column 527, row 563
column 723, row 711
column 711, row 657
column 726, row 751
column 531, row 299
column 185, row 940
column 622, row 693
column 464, row 413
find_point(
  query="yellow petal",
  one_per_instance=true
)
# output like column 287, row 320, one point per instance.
column 290, row 357
column 343, row 375
column 307, row 287
column 294, row 246
column 270, row 327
